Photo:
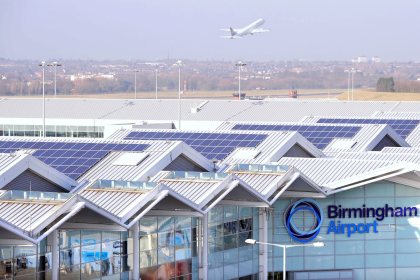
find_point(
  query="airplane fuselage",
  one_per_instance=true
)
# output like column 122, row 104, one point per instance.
column 247, row 30
column 250, row 29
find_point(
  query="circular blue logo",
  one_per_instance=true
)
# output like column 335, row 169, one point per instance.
column 305, row 204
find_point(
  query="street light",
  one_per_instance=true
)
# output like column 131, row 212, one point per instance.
column 350, row 77
column 135, row 83
column 55, row 64
column 179, row 64
column 239, row 64
column 43, row 64
column 157, row 65
column 315, row 244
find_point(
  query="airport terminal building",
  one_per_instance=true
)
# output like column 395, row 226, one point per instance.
column 135, row 196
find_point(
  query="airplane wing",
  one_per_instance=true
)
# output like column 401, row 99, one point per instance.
column 231, row 37
column 225, row 29
column 260, row 30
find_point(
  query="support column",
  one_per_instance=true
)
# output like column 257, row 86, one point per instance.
column 200, row 246
column 205, row 245
column 263, row 233
column 136, row 251
column 55, row 254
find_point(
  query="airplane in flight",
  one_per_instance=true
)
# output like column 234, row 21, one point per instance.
column 250, row 29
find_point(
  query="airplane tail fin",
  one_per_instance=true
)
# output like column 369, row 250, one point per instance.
column 232, row 32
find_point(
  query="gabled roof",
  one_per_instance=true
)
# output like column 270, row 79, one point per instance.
column 391, row 155
column 28, row 214
column 158, row 155
column 207, row 189
column 275, row 145
column 342, row 174
column 272, row 181
column 12, row 165
column 274, row 148
column 125, row 202
column 366, row 139
column 329, row 170
column 369, row 136
column 413, row 139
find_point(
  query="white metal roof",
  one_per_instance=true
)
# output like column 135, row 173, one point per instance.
column 246, row 110
column 274, row 147
column 413, row 139
column 395, row 156
column 29, row 213
column 261, row 177
column 160, row 154
column 366, row 139
column 326, row 171
column 12, row 165
column 205, row 189
column 270, row 149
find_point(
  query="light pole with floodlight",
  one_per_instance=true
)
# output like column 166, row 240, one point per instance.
column 55, row 64
column 179, row 64
column 43, row 64
column 315, row 244
column 239, row 64
column 135, row 83
column 350, row 82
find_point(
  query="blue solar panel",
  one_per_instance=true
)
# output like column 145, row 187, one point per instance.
column 73, row 159
column 318, row 135
column 211, row 145
column 402, row 127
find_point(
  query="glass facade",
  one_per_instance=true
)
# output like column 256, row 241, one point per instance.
column 168, row 248
column 25, row 262
column 229, row 256
column 169, row 245
column 86, row 254
column 391, row 253
column 52, row 130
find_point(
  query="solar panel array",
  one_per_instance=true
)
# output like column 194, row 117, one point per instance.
column 211, row 145
column 402, row 127
column 70, row 158
column 318, row 135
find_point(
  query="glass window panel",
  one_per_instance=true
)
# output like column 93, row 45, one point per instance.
column 183, row 267
column 230, row 227
column 380, row 273
column 349, row 247
column 407, row 246
column 408, row 260
column 407, row 273
column 380, row 260
column 319, row 262
column 148, row 242
column 148, row 258
column 379, row 246
column 166, row 271
column 165, row 255
column 72, row 272
column 165, row 224
column 182, row 222
column 90, row 270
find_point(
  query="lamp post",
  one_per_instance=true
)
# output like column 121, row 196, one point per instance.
column 315, row 244
column 239, row 64
column 350, row 82
column 55, row 64
column 348, row 71
column 135, row 83
column 43, row 64
column 179, row 64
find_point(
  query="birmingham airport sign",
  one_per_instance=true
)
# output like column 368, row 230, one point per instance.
column 336, row 212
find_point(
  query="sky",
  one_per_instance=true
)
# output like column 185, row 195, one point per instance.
column 190, row 29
